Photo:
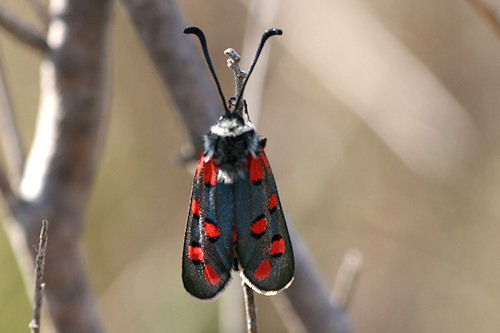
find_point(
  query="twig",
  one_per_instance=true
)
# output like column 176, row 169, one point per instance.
column 346, row 277
column 250, row 309
column 9, row 133
column 233, row 62
column 39, row 284
column 22, row 30
column 488, row 12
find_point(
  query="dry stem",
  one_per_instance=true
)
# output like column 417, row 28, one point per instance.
column 39, row 284
column 250, row 308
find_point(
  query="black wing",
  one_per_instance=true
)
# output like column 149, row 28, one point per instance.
column 208, row 244
column 263, row 244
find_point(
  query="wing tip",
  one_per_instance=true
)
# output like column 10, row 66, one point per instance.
column 209, row 297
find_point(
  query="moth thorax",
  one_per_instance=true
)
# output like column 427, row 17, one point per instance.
column 230, row 153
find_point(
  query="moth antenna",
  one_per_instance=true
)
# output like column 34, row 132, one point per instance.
column 203, row 41
column 268, row 33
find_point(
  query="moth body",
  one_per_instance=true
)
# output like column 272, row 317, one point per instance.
column 235, row 219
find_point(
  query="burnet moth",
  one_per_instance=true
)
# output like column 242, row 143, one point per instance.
column 235, row 220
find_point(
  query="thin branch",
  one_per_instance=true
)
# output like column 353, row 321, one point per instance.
column 489, row 11
column 250, row 308
column 346, row 277
column 39, row 284
column 233, row 62
column 9, row 133
column 308, row 295
column 22, row 30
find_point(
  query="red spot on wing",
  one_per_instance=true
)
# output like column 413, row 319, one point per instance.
column 211, row 230
column 259, row 226
column 235, row 235
column 264, row 159
column 209, row 173
column 277, row 246
column 195, row 208
column 273, row 203
column 194, row 253
column 199, row 166
column 263, row 271
column 211, row 275
column 256, row 169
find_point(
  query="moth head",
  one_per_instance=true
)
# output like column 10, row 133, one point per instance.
column 232, row 124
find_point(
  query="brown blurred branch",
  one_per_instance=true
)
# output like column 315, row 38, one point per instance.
column 250, row 309
column 22, row 30
column 61, row 165
column 9, row 133
column 39, row 284
column 181, row 67
column 160, row 26
column 309, row 296
column 489, row 11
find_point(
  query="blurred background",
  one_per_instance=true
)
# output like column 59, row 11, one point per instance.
column 383, row 127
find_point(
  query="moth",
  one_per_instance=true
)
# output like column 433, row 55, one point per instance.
column 235, row 219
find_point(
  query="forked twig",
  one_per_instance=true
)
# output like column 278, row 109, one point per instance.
column 39, row 284
column 233, row 62
column 250, row 308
